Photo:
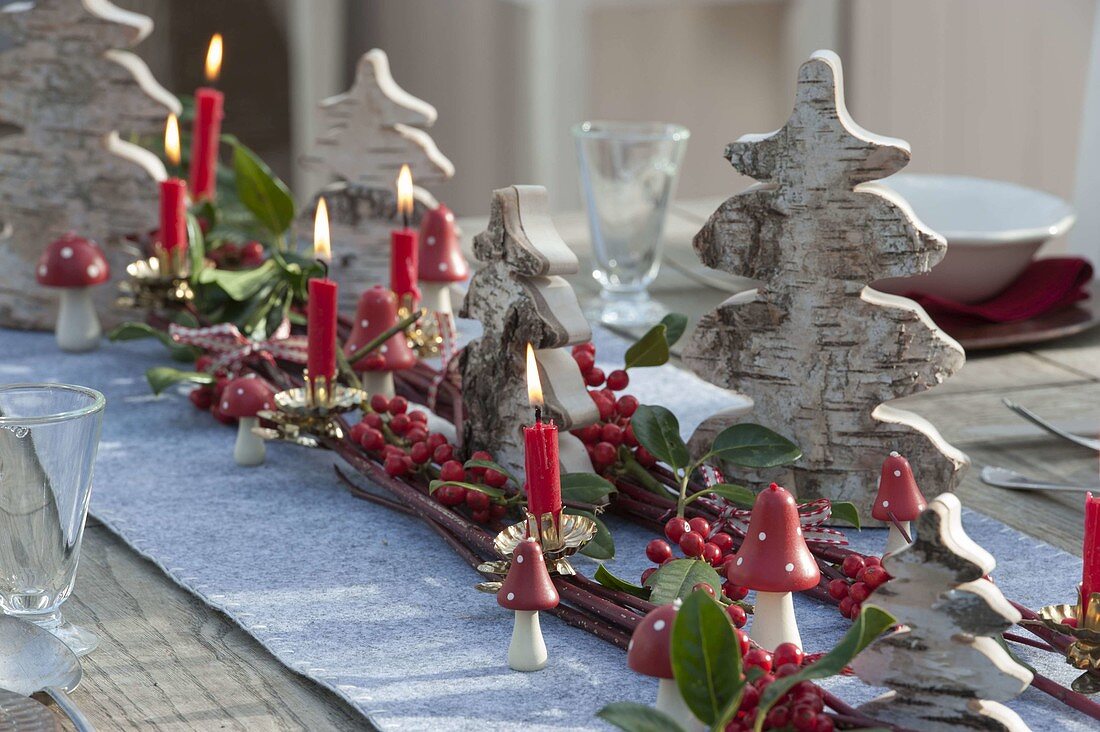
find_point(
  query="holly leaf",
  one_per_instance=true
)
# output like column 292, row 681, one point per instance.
column 634, row 717
column 260, row 190
column 678, row 577
column 658, row 431
column 161, row 377
column 845, row 511
column 585, row 488
column 870, row 624
column 604, row 576
column 706, row 656
column 243, row 284
column 649, row 350
column 487, row 490
column 602, row 546
column 738, row 494
column 675, row 325
column 132, row 331
column 752, row 446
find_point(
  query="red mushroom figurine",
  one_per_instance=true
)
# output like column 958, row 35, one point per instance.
column 441, row 260
column 527, row 589
column 74, row 265
column 650, row 653
column 242, row 398
column 899, row 500
column 375, row 314
column 775, row 561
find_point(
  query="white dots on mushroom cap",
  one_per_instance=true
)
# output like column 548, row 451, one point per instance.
column 897, row 473
column 93, row 270
column 66, row 252
column 519, row 559
column 431, row 241
column 511, row 596
column 225, row 405
column 659, row 625
column 240, row 390
column 789, row 567
column 740, row 561
column 762, row 536
column 886, row 504
column 364, row 323
column 442, row 266
column 42, row 270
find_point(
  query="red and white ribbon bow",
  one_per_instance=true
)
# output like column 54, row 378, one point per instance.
column 811, row 514
column 230, row 348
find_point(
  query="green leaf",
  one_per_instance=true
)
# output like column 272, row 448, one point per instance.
column 678, row 577
column 489, row 464
column 649, row 350
column 675, row 325
column 243, row 284
column 602, row 546
column 706, row 656
column 132, row 331
column 870, row 624
column 604, row 576
column 261, row 191
column 585, row 488
column 753, row 446
column 634, row 717
column 845, row 511
column 161, row 377
column 658, row 431
column 738, row 494
column 487, row 490
column 1008, row 649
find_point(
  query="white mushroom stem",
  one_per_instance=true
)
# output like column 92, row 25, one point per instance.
column 378, row 382
column 671, row 702
column 77, row 325
column 435, row 296
column 526, row 652
column 895, row 541
column 249, row 450
column 773, row 621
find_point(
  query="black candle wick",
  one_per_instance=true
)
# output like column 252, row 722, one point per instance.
column 538, row 415
column 324, row 266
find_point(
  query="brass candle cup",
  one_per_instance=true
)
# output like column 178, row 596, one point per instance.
column 1083, row 624
column 559, row 541
column 306, row 413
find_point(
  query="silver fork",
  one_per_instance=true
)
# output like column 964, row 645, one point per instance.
column 1035, row 419
column 1005, row 478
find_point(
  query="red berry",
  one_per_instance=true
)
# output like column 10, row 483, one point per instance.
column 758, row 658
column 778, row 717
column 219, row 387
column 658, row 551
column 617, row 380
column 589, row 435
column 646, row 574
column 497, row 510
column 786, row 669
column 612, row 433
column 691, row 544
column 703, row 587
column 452, row 470
column 737, row 615
column 846, row 606
column 645, row 457
column 872, row 561
column 594, row 376
column 419, row 416
column 735, row 592
column 764, row 681
column 494, row 479
column 357, row 431
column 480, row 516
column 420, row 453
column 398, row 405
column 416, row 433
column 252, row 251
column 700, row 525
column 585, row 361
column 586, row 347
column 711, row 553
column 743, row 641
column 676, row 528
column 838, row 589
column 477, row 501
column 451, row 495
column 400, row 423
column 605, row 453
column 856, row 609
column 804, row 718
column 750, row 697
column 723, row 541
column 874, row 577
column 379, row 403
column 606, row 407
column 202, row 397
column 785, row 653
column 859, row 591
column 394, row 466
column 443, row 454
column 852, row 564
column 435, row 439
column 628, row 434
column 372, row 439
column 392, row 451
column 204, row 363
column 626, row 406
column 825, row 723
column 373, row 420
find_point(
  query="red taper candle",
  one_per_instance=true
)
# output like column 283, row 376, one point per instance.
column 404, row 244
column 209, row 105
column 1090, row 574
column 321, row 310
column 173, row 195
column 541, row 461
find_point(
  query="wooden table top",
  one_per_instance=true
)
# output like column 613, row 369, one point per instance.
column 168, row 661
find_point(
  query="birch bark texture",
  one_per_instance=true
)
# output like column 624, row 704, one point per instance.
column 74, row 94
column 815, row 348
column 367, row 134
column 946, row 668
column 519, row 295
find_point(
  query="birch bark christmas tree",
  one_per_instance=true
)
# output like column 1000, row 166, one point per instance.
column 74, row 94
column 519, row 296
column 944, row 663
column 817, row 350
column 367, row 134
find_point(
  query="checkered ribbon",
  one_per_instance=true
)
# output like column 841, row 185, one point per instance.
column 448, row 348
column 230, row 348
column 812, row 515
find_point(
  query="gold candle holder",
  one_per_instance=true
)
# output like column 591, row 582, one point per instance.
column 559, row 539
column 306, row 413
column 423, row 335
column 160, row 282
column 1083, row 623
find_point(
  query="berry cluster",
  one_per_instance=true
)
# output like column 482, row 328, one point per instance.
column 698, row 540
column 234, row 256
column 400, row 439
column 863, row 575
column 802, row 708
column 613, row 433
column 209, row 396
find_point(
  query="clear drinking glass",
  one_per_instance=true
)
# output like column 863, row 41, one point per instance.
column 628, row 172
column 49, row 435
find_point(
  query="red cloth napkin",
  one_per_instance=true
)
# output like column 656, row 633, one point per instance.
column 1046, row 285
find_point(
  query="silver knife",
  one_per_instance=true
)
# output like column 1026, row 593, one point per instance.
column 1005, row 478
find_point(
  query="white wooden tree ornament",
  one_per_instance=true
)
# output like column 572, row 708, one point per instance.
column 74, row 94
column 367, row 134
column 519, row 296
column 816, row 350
column 946, row 669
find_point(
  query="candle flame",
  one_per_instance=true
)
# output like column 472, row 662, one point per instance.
column 214, row 58
column 405, row 192
column 322, row 246
column 534, row 384
column 172, row 140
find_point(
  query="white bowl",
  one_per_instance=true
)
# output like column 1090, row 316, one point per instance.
column 993, row 230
